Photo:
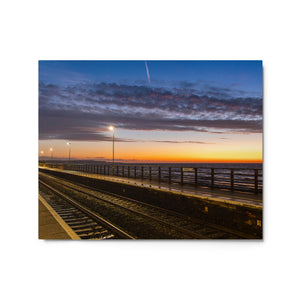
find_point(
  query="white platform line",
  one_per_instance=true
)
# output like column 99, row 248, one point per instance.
column 61, row 222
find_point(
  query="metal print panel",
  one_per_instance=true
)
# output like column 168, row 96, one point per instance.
column 150, row 150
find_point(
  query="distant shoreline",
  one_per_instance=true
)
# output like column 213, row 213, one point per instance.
column 171, row 164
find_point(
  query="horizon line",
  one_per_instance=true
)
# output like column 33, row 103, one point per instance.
column 48, row 159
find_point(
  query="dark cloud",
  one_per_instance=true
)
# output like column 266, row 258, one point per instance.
column 83, row 111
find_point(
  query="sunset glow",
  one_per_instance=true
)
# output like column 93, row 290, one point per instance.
column 189, row 112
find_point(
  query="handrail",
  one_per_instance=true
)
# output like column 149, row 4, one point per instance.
column 247, row 179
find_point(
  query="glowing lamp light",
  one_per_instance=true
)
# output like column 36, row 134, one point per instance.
column 112, row 128
column 51, row 150
column 69, row 145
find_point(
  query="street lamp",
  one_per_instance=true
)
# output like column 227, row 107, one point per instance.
column 69, row 145
column 42, row 152
column 51, row 150
column 112, row 128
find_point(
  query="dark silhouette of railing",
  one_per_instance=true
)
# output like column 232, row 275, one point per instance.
column 234, row 179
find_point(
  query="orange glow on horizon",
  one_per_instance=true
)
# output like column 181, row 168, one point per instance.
column 217, row 158
column 234, row 151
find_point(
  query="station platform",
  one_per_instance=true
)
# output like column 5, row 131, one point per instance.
column 225, row 196
column 51, row 225
column 241, row 212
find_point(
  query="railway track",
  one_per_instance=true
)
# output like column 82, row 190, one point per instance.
column 85, row 223
column 140, row 219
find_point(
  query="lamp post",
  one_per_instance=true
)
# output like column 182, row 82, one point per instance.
column 42, row 152
column 112, row 128
column 69, row 145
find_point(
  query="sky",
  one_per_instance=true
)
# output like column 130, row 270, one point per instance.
column 162, row 111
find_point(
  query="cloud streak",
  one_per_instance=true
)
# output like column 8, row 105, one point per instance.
column 83, row 111
column 148, row 75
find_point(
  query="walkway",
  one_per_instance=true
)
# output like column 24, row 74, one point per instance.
column 213, row 194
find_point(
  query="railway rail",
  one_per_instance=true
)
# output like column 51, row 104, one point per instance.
column 142, row 220
column 85, row 223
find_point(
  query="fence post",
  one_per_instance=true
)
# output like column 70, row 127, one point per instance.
column 134, row 171
column 159, row 174
column 181, row 180
column 169, row 175
column 142, row 171
column 150, row 173
column 128, row 171
column 232, row 178
column 256, row 180
column 196, row 176
column 117, row 170
column 212, row 177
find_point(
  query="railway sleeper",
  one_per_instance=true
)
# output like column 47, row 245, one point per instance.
column 85, row 231
column 80, row 222
column 83, row 226
column 93, row 235
column 111, row 236
column 67, row 215
column 70, row 220
column 65, row 210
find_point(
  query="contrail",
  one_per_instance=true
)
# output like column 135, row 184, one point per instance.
column 147, row 72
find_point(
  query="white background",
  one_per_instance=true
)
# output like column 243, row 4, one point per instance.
column 230, row 30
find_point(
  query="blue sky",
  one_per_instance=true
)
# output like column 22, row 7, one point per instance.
column 240, row 75
column 182, row 102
